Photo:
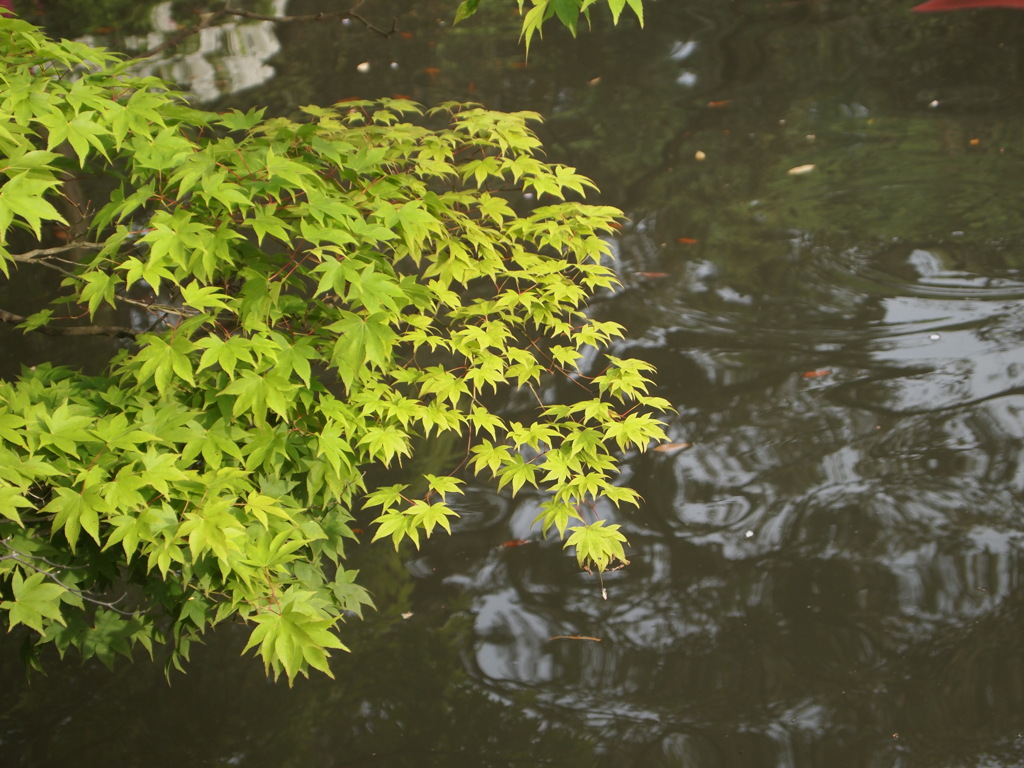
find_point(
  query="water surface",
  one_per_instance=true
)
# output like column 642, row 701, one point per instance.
column 826, row 567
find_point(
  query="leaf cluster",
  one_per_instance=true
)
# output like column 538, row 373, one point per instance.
column 331, row 292
column 536, row 13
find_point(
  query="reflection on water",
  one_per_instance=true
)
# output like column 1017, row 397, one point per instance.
column 829, row 573
column 218, row 61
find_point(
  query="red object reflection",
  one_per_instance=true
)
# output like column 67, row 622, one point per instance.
column 960, row 5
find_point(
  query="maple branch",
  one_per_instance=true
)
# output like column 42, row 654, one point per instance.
column 118, row 331
column 88, row 596
column 41, row 256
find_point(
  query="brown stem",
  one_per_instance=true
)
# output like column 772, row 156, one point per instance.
column 41, row 256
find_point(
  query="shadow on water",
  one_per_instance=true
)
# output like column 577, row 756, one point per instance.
column 827, row 566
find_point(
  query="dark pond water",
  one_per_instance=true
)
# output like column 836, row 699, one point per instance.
column 827, row 568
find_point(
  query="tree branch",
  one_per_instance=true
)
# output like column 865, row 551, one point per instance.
column 117, row 331
column 212, row 18
column 87, row 596
column 41, row 256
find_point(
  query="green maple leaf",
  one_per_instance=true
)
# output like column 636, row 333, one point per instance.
column 35, row 599
column 597, row 545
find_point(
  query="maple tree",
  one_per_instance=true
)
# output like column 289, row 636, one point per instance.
column 331, row 293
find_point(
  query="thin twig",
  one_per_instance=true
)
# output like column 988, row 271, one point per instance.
column 41, row 256
column 77, row 592
column 50, row 563
column 31, row 257
column 156, row 309
column 211, row 18
column 172, row 42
